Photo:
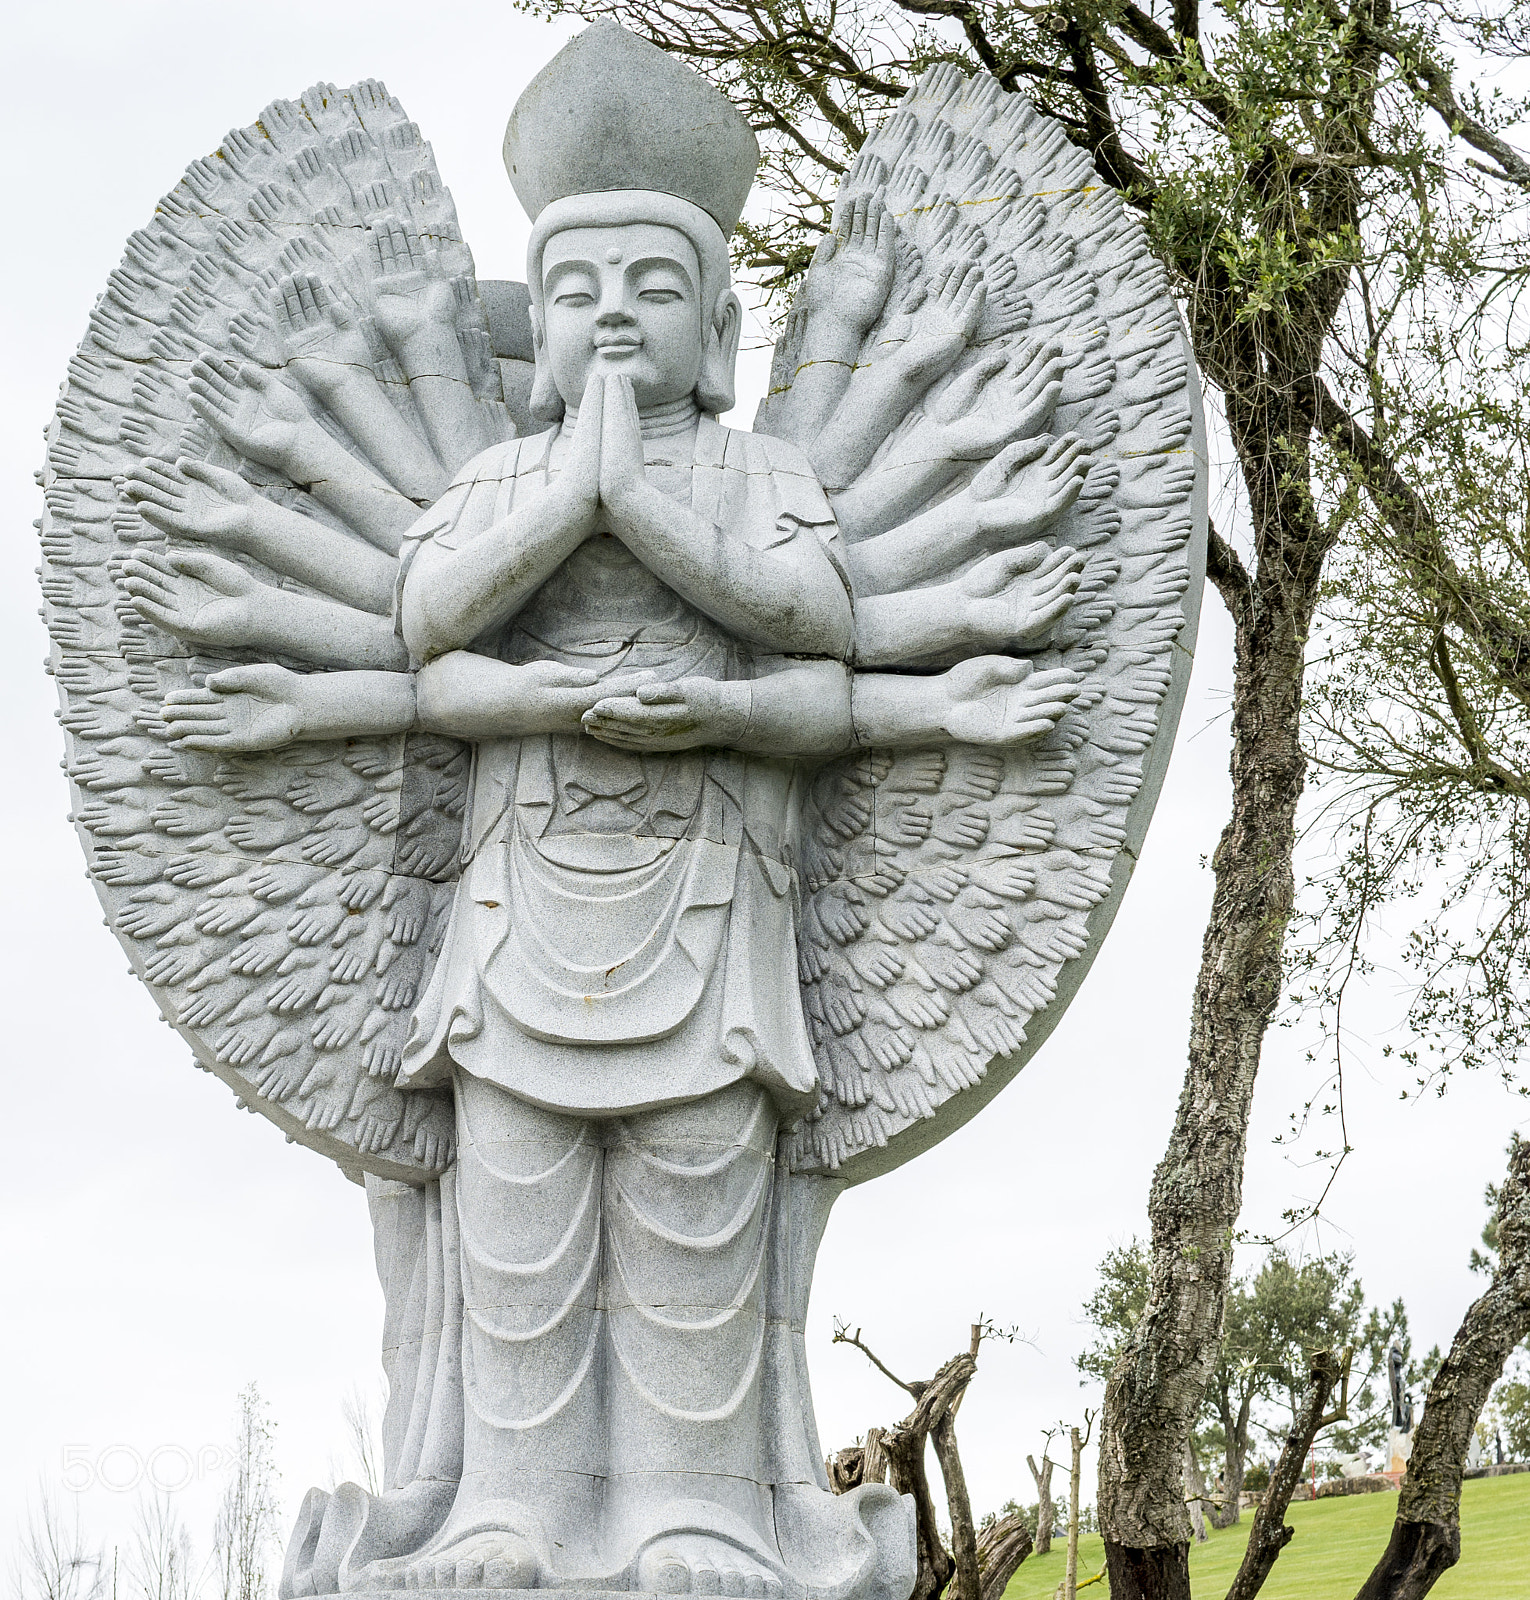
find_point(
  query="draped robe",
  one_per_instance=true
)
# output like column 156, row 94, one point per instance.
column 623, row 934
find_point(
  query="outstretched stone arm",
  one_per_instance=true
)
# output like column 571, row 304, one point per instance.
column 988, row 700
column 326, row 351
column 263, row 419
column 991, row 403
column 809, row 710
column 460, row 694
column 846, row 291
column 1008, row 601
column 245, row 709
column 881, row 393
column 817, row 710
column 415, row 309
column 1011, row 500
column 211, row 602
column 196, row 500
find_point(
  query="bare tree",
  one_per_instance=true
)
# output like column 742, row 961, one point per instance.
column 245, row 1537
column 361, row 1412
column 160, row 1565
column 974, row 1568
column 54, row 1559
column 1045, row 1510
column 1076, row 1443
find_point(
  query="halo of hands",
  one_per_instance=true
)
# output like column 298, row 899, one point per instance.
column 994, row 588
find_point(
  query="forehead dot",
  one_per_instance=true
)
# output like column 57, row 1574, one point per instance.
column 613, row 255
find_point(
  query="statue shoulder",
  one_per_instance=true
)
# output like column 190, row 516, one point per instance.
column 798, row 492
column 774, row 455
column 498, row 461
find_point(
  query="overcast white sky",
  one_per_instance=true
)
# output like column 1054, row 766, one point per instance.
column 159, row 1251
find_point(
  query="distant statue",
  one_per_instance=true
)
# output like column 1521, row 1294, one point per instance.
column 1402, row 1404
column 605, row 832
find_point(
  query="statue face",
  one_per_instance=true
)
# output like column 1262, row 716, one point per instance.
column 623, row 300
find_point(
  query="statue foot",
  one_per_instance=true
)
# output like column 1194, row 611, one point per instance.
column 696, row 1563
column 489, row 1560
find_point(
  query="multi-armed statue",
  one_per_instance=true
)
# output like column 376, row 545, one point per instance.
column 807, row 765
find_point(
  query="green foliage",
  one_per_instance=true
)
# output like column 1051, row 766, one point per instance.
column 1242, row 142
column 1332, row 190
column 1115, row 1307
column 1275, row 1317
column 1257, row 1478
column 1511, row 1404
column 1419, row 678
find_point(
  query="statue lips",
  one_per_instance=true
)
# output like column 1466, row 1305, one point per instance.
column 616, row 349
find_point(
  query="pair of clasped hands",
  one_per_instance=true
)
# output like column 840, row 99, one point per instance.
column 602, row 488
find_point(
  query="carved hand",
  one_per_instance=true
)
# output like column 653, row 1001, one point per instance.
column 198, row 597
column 996, row 700
column 672, row 716
column 946, row 321
column 411, row 299
column 320, row 340
column 997, row 400
column 194, row 500
column 851, row 286
column 1015, row 597
column 1013, row 503
column 251, row 408
column 579, row 485
column 621, row 444
column 241, row 710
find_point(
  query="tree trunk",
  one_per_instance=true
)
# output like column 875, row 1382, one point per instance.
column 874, row 1457
column 1230, row 1512
column 846, row 1469
column 1269, row 1536
column 1075, row 1472
column 1045, row 1510
column 905, row 1460
column 1426, row 1537
column 1001, row 1547
column 964, row 1547
column 1158, row 1385
column 1155, row 1391
column 1195, row 1493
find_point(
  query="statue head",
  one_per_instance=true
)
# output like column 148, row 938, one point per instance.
column 634, row 171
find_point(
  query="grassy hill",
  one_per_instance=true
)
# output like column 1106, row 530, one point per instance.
column 1337, row 1543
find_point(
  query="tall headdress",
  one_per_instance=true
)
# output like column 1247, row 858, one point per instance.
column 611, row 131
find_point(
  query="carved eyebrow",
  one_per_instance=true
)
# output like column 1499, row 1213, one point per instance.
column 662, row 263
column 563, row 269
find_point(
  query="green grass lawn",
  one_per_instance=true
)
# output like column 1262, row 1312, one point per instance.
column 1337, row 1543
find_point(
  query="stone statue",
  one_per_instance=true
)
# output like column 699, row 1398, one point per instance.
column 604, row 832
column 1400, row 1423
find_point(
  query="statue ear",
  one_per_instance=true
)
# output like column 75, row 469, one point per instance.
column 714, row 388
column 545, row 403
